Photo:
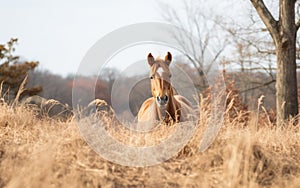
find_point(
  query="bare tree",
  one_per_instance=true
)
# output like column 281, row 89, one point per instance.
column 252, row 54
column 242, row 55
column 283, row 32
column 256, row 52
column 205, row 52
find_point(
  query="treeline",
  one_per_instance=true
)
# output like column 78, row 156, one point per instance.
column 60, row 88
column 52, row 86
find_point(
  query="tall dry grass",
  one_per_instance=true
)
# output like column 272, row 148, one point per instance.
column 47, row 153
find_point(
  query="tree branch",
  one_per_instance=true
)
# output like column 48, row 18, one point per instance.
column 257, row 87
column 267, row 18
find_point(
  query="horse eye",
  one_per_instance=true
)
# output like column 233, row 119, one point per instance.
column 151, row 77
column 170, row 76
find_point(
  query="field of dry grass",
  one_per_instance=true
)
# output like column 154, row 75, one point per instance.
column 47, row 153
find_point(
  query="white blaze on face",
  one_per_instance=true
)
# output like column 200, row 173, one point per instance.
column 159, row 71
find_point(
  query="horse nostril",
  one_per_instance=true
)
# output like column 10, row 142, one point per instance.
column 158, row 98
column 166, row 98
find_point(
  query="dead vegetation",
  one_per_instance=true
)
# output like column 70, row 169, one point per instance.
column 37, row 152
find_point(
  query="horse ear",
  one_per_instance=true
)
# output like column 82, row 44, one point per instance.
column 168, row 58
column 150, row 59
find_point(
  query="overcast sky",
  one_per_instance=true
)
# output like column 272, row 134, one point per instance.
column 59, row 33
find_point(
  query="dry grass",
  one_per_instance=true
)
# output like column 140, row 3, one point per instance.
column 47, row 153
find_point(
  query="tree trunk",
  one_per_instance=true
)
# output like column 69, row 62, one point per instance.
column 286, row 79
column 284, row 33
column 286, row 83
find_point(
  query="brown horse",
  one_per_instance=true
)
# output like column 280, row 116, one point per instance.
column 164, row 105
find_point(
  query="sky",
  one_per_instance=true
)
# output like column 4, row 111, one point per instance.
column 58, row 33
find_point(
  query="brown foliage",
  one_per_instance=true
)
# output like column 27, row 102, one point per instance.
column 234, row 104
column 13, row 72
column 236, row 109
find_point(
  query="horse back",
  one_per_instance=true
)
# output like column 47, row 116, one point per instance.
column 186, row 108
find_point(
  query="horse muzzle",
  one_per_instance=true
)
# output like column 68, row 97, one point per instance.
column 162, row 100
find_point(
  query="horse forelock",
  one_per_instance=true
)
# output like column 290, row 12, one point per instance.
column 159, row 67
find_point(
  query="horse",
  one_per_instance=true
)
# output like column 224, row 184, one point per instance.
column 165, row 105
